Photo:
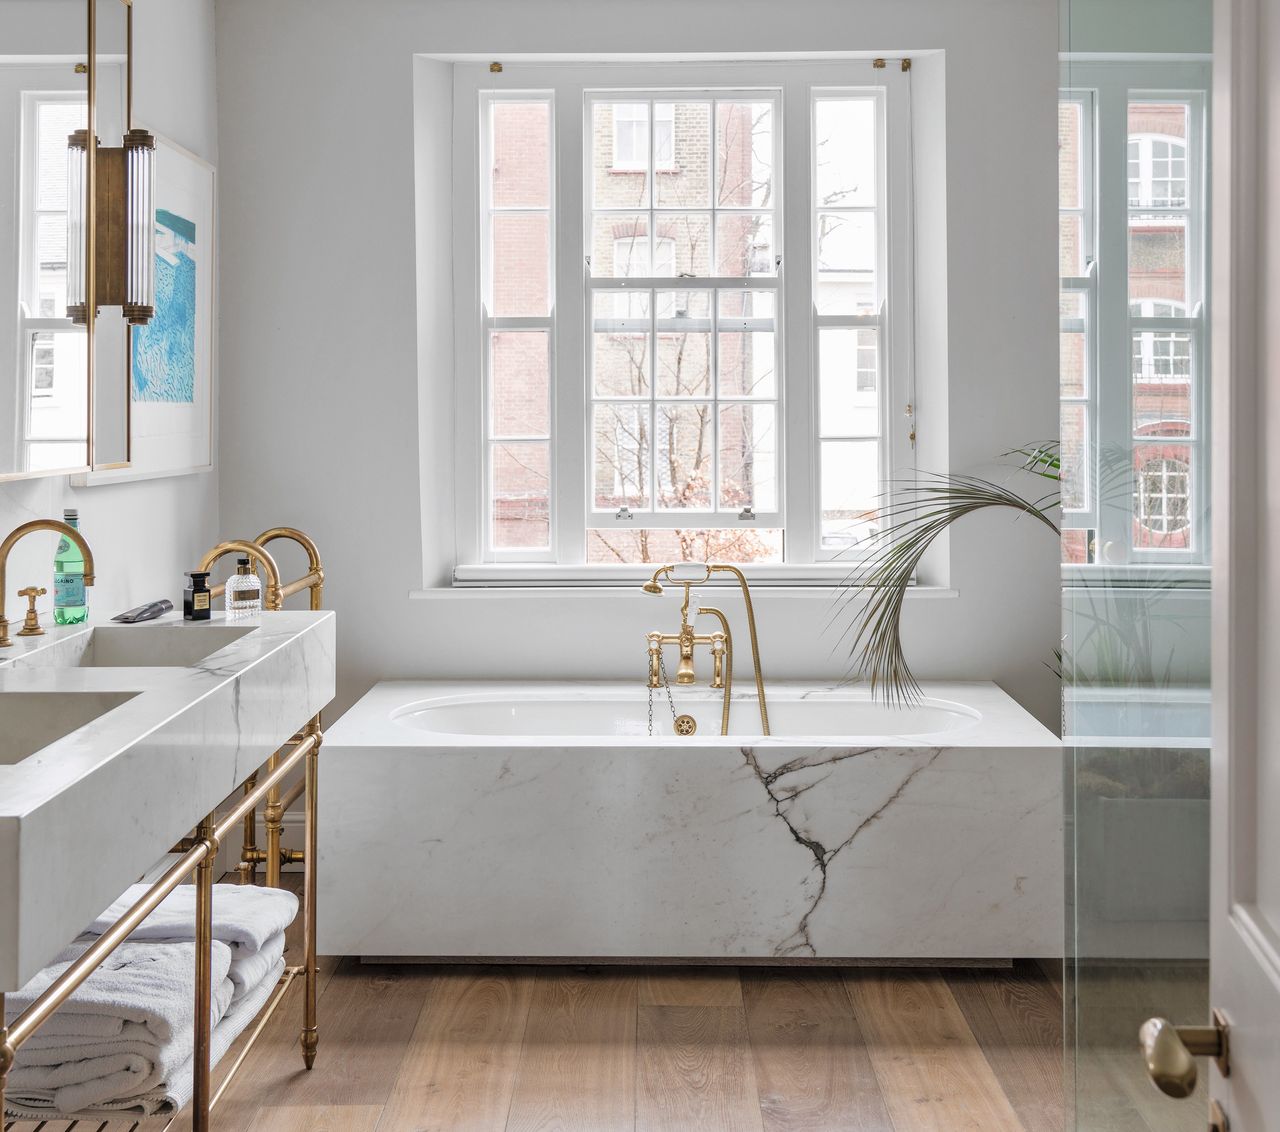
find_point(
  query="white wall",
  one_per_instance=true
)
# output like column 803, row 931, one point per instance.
column 144, row 535
column 321, row 338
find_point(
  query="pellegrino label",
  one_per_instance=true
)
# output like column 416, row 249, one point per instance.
column 68, row 589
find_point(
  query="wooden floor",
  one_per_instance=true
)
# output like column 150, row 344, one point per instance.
column 417, row 1048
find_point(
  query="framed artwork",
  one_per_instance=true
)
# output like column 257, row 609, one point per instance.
column 171, row 358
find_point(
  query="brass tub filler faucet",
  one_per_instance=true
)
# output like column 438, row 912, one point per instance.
column 688, row 639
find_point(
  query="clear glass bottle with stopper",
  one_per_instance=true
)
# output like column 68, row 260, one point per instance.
column 244, row 592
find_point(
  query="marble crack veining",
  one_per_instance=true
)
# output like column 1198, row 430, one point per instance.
column 800, row 942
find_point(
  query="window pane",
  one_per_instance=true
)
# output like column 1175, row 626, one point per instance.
column 684, row 343
column 747, row 346
column 1163, row 504
column 744, row 244
column 1070, row 155
column 620, row 154
column 846, row 263
column 682, row 244
column 519, row 383
column 1071, row 245
column 59, row 405
column 620, row 344
column 1072, row 351
column 748, row 457
column 51, row 265
column 1158, row 258
column 521, row 154
column 620, row 245
column 850, row 491
column 1074, row 453
column 521, row 478
column 1162, row 383
column 55, row 122
column 684, row 545
column 683, row 463
column 845, row 144
column 521, row 264
column 682, row 154
column 848, row 369
column 744, row 154
column 1158, row 154
column 620, row 468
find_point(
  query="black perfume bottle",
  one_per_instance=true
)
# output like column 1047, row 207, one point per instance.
column 196, row 601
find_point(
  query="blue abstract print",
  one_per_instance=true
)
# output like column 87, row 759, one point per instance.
column 164, row 351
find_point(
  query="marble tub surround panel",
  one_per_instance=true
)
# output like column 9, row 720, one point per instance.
column 81, row 819
column 617, row 848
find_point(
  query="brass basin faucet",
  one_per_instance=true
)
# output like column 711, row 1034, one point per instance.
column 17, row 535
column 721, row 643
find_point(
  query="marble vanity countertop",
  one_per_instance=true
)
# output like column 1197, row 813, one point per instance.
column 85, row 815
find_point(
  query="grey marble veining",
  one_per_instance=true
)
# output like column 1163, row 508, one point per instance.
column 611, row 847
column 84, row 816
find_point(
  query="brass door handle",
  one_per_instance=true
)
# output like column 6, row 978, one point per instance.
column 1170, row 1052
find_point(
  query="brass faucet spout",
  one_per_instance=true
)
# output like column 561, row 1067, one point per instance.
column 17, row 535
column 255, row 551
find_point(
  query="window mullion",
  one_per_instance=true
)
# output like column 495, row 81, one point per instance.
column 571, row 433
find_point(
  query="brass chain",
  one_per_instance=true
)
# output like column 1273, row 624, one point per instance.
column 666, row 683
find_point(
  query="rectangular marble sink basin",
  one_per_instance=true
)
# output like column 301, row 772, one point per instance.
column 34, row 720
column 173, row 645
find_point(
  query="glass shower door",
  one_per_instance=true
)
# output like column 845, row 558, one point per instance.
column 1133, row 220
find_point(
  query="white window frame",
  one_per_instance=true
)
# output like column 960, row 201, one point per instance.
column 31, row 323
column 566, row 85
column 1107, row 88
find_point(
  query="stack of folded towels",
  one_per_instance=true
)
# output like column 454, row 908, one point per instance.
column 124, row 1041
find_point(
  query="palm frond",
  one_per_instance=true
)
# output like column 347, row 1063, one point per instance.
column 915, row 515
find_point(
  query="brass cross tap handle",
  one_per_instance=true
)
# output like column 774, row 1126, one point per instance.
column 31, row 623
column 1170, row 1052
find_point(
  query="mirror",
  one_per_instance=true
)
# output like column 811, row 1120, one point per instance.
column 44, row 382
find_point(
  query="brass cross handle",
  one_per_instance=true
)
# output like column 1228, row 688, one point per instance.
column 1170, row 1052
column 31, row 623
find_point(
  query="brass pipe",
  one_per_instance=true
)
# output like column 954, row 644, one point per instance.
column 711, row 611
column 17, row 535
column 253, row 551
column 314, row 579
column 57, row 992
column 755, row 643
column 6, row 1059
column 203, row 1053
column 247, row 868
column 310, row 1033
column 272, row 822
column 292, row 795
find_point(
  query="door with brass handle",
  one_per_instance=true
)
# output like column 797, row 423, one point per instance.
column 1170, row 1052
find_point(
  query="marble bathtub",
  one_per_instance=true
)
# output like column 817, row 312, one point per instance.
column 539, row 820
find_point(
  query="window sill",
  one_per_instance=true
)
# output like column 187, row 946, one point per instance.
column 1138, row 575
column 818, row 580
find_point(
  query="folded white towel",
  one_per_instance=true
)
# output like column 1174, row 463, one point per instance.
column 173, row 1094
column 78, row 1076
column 242, row 914
column 250, row 967
column 150, row 984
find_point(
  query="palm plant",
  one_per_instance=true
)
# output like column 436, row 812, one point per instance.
column 914, row 515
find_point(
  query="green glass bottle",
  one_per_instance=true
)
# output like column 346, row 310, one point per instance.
column 69, row 606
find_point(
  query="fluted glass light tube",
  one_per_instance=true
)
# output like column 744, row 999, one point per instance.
column 77, row 171
column 140, row 229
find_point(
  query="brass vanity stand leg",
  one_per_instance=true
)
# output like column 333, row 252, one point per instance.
column 273, row 819
column 248, row 866
column 310, row 1034
column 6, row 1060
column 200, row 1066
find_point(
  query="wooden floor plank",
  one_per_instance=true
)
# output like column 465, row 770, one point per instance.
column 928, row 1063
column 318, row 1118
column 812, row 1067
column 690, row 986
column 694, row 1070
column 1017, row 1018
column 578, row 1059
column 460, row 1069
